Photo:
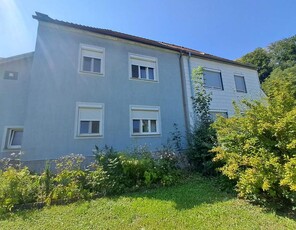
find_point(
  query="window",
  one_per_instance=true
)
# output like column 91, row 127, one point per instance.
column 89, row 120
column 92, row 59
column 214, row 114
column 11, row 75
column 145, row 120
column 143, row 67
column 14, row 138
column 240, row 84
column 213, row 79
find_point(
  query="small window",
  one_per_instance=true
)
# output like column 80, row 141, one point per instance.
column 213, row 79
column 145, row 120
column 90, row 120
column 11, row 75
column 14, row 138
column 143, row 67
column 214, row 114
column 92, row 59
column 240, row 84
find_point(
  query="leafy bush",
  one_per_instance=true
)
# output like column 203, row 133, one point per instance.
column 202, row 137
column 130, row 171
column 17, row 186
column 259, row 147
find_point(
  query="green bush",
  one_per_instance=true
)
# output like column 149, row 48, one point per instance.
column 202, row 137
column 17, row 186
column 259, row 146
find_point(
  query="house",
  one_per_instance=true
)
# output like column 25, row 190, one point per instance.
column 85, row 86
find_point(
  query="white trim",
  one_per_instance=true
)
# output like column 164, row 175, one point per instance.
column 6, row 138
column 89, row 105
column 147, row 59
column 100, row 55
column 145, row 108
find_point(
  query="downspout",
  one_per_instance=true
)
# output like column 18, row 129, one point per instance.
column 184, row 94
column 190, row 74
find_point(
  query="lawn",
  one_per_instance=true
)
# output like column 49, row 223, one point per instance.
column 196, row 204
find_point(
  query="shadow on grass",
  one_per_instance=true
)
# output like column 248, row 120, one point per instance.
column 190, row 193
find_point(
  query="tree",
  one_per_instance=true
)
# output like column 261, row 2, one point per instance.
column 280, row 54
column 283, row 53
column 260, row 58
column 202, row 137
column 258, row 147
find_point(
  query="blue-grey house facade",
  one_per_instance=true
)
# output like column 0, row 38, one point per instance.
column 84, row 86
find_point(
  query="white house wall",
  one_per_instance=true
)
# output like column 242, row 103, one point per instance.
column 222, row 99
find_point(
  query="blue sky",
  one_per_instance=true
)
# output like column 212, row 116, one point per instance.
column 226, row 28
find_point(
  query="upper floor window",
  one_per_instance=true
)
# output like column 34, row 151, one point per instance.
column 143, row 67
column 213, row 79
column 11, row 75
column 92, row 59
column 240, row 83
column 145, row 120
column 89, row 121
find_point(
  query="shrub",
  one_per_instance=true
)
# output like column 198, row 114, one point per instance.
column 259, row 147
column 202, row 137
column 17, row 186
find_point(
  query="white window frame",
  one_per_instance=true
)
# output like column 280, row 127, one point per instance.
column 219, row 111
column 145, row 61
column 243, row 77
column 95, row 52
column 8, row 137
column 144, row 108
column 221, row 79
column 89, row 105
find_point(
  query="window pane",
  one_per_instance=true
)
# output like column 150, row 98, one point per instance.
column 17, row 137
column 135, row 71
column 143, row 71
column 240, row 84
column 153, row 126
column 86, row 64
column 145, row 126
column 97, row 65
column 95, row 127
column 136, row 126
column 212, row 79
column 214, row 115
column 84, row 127
column 151, row 73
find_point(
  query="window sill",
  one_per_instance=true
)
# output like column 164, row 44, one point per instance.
column 88, row 136
column 241, row 91
column 91, row 73
column 146, row 135
column 144, row 80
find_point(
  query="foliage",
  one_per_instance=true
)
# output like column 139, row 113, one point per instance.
column 131, row 171
column 283, row 53
column 194, row 204
column 280, row 54
column 260, row 58
column 202, row 137
column 17, row 186
column 259, row 147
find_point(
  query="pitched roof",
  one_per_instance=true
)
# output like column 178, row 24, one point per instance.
column 181, row 49
column 16, row 57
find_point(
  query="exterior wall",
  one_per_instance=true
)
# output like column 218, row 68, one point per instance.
column 13, row 95
column 222, row 99
column 57, row 85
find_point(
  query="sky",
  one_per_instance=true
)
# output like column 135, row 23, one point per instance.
column 225, row 28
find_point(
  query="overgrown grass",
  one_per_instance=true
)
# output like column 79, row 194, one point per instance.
column 195, row 204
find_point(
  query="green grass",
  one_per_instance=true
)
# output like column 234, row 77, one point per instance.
column 196, row 204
